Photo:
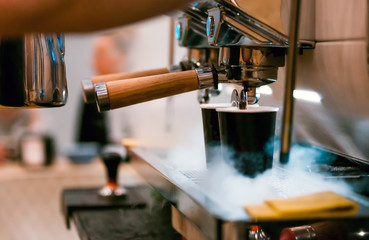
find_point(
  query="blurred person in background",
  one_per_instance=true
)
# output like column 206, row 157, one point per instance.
column 18, row 17
column 110, row 53
column 14, row 123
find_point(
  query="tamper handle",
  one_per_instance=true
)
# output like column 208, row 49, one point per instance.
column 127, row 75
column 116, row 94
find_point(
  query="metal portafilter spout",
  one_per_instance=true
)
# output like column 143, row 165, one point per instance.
column 237, row 101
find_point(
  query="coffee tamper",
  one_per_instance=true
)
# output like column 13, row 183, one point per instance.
column 112, row 161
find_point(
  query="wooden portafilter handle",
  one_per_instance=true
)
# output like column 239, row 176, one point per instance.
column 88, row 85
column 116, row 94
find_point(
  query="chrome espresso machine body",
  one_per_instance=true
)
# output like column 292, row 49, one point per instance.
column 315, row 54
column 252, row 41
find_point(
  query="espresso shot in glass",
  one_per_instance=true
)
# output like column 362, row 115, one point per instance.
column 247, row 137
column 211, row 129
column 111, row 161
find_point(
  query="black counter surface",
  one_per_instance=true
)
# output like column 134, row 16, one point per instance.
column 134, row 221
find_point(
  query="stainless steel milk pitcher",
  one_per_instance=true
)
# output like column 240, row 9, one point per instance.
column 32, row 71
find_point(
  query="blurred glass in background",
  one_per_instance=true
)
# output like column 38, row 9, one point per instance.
column 14, row 123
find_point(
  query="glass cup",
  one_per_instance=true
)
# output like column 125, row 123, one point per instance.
column 112, row 188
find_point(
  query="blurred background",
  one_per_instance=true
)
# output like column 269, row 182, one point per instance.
column 147, row 48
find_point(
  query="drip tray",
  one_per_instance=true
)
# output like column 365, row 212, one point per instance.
column 219, row 215
column 195, row 176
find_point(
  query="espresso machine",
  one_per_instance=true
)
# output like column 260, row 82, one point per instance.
column 312, row 56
